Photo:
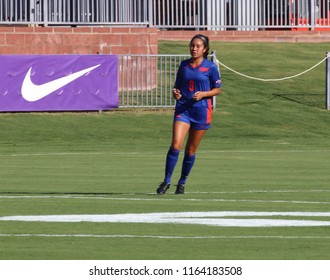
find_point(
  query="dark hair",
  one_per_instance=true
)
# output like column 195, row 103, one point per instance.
column 205, row 40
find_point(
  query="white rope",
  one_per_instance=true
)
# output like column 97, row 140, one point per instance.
column 270, row 80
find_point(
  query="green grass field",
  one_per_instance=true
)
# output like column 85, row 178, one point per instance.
column 268, row 152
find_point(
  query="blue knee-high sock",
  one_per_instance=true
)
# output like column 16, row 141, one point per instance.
column 171, row 160
column 187, row 165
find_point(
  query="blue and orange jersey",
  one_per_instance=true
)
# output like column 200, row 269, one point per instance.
column 190, row 79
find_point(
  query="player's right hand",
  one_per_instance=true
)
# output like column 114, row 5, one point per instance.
column 176, row 94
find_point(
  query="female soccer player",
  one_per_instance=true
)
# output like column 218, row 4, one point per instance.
column 197, row 81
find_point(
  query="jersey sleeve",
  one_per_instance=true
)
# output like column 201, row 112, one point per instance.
column 178, row 79
column 215, row 79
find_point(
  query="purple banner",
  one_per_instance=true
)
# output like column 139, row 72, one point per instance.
column 58, row 82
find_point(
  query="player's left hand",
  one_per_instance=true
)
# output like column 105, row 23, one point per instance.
column 198, row 95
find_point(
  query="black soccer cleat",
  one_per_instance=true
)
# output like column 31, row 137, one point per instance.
column 163, row 187
column 179, row 189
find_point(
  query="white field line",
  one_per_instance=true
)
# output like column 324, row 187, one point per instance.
column 263, row 191
column 207, row 218
column 159, row 199
column 221, row 192
column 267, row 151
column 156, row 152
column 159, row 236
column 51, row 154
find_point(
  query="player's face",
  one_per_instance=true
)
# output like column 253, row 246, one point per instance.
column 197, row 48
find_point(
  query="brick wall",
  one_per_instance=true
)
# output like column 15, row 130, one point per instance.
column 117, row 40
column 77, row 40
column 288, row 36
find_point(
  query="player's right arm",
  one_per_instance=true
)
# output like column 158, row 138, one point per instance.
column 176, row 94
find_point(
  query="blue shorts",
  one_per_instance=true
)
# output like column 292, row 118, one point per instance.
column 198, row 117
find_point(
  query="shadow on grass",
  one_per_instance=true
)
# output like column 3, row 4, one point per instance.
column 306, row 99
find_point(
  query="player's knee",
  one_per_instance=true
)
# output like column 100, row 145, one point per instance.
column 176, row 146
column 190, row 151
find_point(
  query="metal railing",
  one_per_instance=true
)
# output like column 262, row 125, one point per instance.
column 146, row 81
column 171, row 14
column 327, row 97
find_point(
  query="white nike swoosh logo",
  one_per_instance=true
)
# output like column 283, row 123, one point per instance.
column 32, row 92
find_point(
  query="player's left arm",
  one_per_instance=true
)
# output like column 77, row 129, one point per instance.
column 215, row 82
column 205, row 94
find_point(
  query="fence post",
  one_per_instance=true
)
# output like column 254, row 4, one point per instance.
column 327, row 96
column 45, row 13
column 151, row 13
column 214, row 60
column 312, row 15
